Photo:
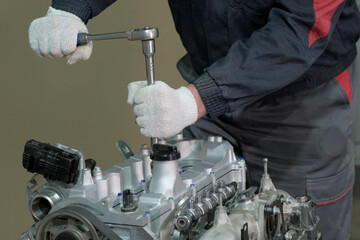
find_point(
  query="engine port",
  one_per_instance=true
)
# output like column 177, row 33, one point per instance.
column 43, row 203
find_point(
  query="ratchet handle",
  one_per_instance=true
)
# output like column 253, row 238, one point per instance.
column 81, row 39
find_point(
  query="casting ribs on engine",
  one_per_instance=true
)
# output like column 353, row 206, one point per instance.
column 181, row 189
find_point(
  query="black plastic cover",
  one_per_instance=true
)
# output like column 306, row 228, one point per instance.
column 163, row 152
column 51, row 162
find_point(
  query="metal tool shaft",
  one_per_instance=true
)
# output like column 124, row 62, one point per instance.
column 106, row 36
column 149, row 50
column 146, row 35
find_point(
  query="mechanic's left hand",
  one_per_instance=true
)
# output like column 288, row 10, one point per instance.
column 160, row 110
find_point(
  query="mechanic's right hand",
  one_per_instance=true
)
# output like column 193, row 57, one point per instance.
column 55, row 35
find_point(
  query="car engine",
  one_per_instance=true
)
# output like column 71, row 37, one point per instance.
column 179, row 189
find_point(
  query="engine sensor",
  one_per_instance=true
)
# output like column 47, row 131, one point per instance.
column 51, row 162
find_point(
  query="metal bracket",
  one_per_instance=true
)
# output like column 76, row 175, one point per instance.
column 124, row 149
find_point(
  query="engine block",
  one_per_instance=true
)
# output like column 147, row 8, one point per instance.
column 180, row 189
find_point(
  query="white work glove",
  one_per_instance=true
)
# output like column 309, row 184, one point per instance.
column 160, row 110
column 55, row 35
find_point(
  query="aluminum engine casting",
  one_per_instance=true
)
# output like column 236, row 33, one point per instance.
column 181, row 189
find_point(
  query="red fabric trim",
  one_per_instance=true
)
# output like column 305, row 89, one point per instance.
column 344, row 80
column 324, row 11
column 326, row 203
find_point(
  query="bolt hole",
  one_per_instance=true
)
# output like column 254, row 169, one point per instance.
column 182, row 223
column 125, row 149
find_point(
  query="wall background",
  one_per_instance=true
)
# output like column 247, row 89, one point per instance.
column 82, row 105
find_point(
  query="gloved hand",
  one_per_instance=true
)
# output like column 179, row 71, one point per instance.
column 55, row 35
column 160, row 110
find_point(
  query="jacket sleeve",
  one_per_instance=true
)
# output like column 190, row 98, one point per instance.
column 84, row 9
column 296, row 34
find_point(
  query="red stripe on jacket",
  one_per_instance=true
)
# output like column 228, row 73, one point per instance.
column 326, row 203
column 344, row 80
column 324, row 11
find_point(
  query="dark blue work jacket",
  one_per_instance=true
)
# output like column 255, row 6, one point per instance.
column 249, row 49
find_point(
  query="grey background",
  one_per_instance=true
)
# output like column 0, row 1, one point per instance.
column 83, row 105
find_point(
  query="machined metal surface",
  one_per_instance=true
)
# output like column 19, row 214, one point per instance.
column 66, row 225
column 270, row 214
column 43, row 202
column 145, row 33
column 202, row 195
column 161, row 190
